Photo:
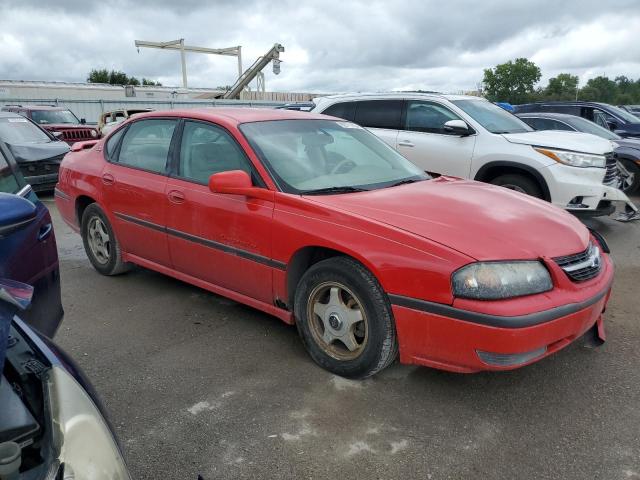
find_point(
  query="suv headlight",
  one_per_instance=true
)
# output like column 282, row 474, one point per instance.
column 94, row 133
column 574, row 159
column 82, row 439
column 498, row 280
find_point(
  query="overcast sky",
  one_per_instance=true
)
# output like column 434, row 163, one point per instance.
column 331, row 45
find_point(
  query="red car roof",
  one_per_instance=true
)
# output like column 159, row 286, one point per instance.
column 236, row 115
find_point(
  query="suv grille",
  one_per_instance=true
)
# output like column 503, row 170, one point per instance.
column 77, row 134
column 581, row 266
column 611, row 175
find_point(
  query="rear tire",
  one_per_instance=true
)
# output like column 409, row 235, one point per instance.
column 100, row 243
column 344, row 318
column 519, row 183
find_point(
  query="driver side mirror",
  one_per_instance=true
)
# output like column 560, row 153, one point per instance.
column 15, row 213
column 83, row 121
column 237, row 182
column 612, row 124
column 457, row 127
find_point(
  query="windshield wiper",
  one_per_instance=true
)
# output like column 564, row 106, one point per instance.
column 344, row 189
column 405, row 181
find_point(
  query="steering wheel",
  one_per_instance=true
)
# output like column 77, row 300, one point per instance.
column 343, row 166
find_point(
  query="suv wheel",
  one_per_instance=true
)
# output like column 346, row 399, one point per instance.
column 519, row 183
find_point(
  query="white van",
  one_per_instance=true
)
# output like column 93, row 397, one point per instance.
column 469, row 137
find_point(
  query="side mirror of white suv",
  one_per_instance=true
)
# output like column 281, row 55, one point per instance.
column 457, row 127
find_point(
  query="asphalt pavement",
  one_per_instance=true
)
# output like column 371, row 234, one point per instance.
column 198, row 384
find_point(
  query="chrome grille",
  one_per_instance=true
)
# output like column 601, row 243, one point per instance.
column 611, row 174
column 581, row 266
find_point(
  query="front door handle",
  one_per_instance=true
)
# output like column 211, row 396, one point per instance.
column 176, row 196
column 45, row 232
column 108, row 179
column 405, row 143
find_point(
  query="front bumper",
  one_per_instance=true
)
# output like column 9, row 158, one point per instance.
column 42, row 183
column 581, row 191
column 465, row 341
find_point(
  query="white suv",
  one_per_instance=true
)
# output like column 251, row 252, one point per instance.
column 470, row 137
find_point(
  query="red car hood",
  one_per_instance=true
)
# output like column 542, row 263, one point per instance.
column 479, row 220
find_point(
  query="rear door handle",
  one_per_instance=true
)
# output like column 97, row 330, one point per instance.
column 108, row 179
column 405, row 143
column 175, row 196
column 45, row 232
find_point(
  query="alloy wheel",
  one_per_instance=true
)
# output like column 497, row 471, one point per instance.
column 337, row 321
column 99, row 241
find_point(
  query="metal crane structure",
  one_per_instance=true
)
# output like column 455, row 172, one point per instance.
column 244, row 78
column 255, row 70
column 179, row 45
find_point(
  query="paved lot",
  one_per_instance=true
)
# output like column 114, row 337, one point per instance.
column 197, row 384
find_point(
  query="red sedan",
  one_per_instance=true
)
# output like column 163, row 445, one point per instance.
column 316, row 221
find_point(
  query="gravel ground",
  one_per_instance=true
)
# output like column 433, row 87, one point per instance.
column 198, row 384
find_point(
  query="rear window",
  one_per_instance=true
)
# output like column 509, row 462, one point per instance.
column 379, row 114
column 346, row 110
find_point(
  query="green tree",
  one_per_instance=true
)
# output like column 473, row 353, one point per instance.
column 98, row 76
column 151, row 83
column 115, row 77
column 606, row 88
column 562, row 87
column 512, row 82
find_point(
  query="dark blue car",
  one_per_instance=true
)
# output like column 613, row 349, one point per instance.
column 608, row 116
column 28, row 250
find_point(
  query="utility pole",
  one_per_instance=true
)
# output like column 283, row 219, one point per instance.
column 179, row 45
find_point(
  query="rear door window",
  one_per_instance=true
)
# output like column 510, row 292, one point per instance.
column 146, row 145
column 346, row 110
column 379, row 114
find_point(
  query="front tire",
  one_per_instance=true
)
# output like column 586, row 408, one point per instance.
column 630, row 176
column 100, row 243
column 344, row 318
column 519, row 183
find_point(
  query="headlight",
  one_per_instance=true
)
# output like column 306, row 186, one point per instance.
column 498, row 280
column 574, row 159
column 94, row 134
column 81, row 437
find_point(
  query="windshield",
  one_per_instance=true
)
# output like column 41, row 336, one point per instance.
column 587, row 126
column 54, row 116
column 492, row 117
column 626, row 116
column 20, row 130
column 311, row 156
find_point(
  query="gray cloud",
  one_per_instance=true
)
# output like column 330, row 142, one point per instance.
column 330, row 45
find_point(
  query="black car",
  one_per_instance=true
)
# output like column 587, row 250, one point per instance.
column 37, row 151
column 608, row 116
column 52, row 424
column 627, row 150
